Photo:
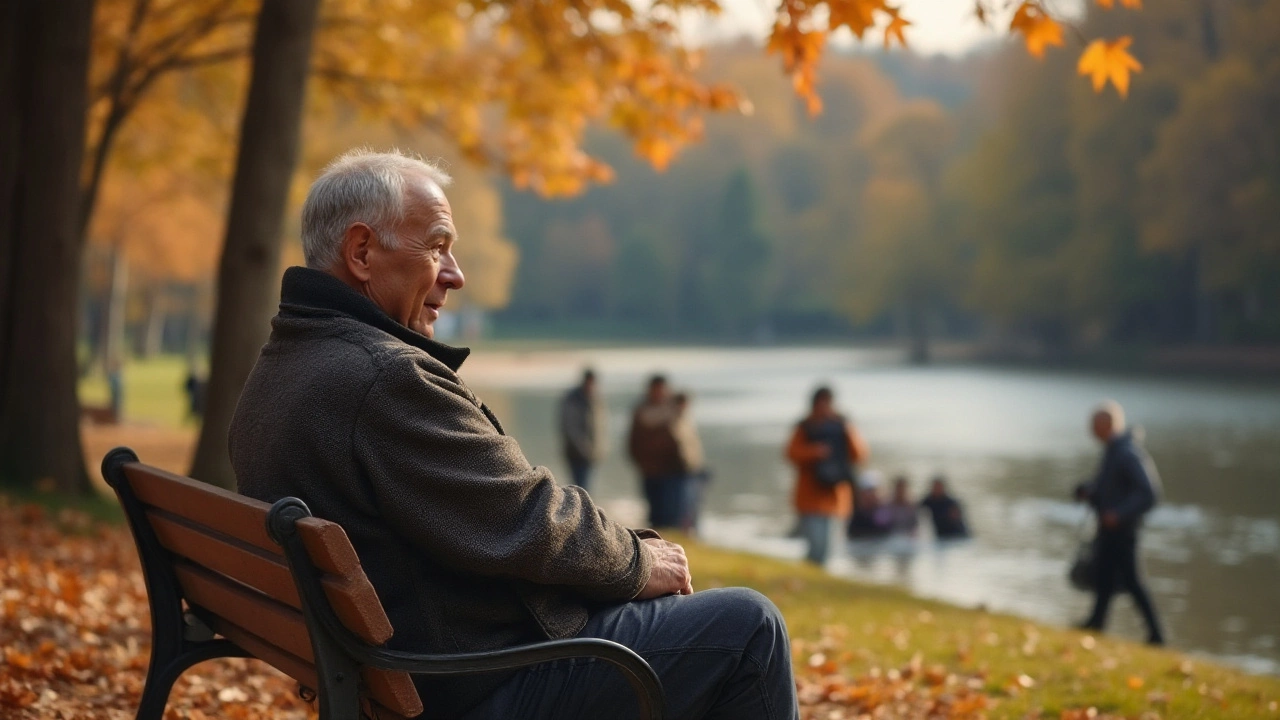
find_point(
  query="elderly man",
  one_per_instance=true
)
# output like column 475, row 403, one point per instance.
column 354, row 408
column 1123, row 492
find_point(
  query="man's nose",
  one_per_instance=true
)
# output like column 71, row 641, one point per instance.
column 451, row 273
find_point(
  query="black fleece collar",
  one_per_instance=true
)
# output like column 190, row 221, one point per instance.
column 307, row 288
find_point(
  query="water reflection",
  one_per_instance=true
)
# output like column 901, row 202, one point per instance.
column 1012, row 443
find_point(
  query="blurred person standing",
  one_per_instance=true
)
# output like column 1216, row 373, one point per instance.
column 115, row 388
column 692, row 460
column 1124, row 491
column 945, row 510
column 582, row 429
column 824, row 448
column 652, row 445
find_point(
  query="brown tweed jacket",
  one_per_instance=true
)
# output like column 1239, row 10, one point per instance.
column 469, row 546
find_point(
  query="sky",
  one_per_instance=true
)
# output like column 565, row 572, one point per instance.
column 937, row 26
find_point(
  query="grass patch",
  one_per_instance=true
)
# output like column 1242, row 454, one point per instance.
column 860, row 632
column 154, row 391
column 69, row 513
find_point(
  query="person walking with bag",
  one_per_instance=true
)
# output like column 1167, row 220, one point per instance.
column 1124, row 491
column 824, row 448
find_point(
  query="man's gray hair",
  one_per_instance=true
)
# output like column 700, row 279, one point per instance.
column 360, row 186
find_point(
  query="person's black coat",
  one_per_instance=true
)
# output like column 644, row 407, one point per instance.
column 1127, row 483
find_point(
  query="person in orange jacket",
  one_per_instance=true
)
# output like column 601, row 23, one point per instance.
column 825, row 448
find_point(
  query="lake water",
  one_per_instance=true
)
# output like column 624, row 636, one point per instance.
column 1013, row 444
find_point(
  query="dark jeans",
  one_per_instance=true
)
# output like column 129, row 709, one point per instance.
column 719, row 653
column 580, row 472
column 668, row 500
column 1117, row 569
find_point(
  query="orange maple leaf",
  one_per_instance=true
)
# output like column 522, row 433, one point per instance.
column 1132, row 4
column 1105, row 61
column 895, row 27
column 1037, row 28
column 1106, row 4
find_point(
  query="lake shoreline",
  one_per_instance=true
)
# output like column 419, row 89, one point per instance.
column 1227, row 363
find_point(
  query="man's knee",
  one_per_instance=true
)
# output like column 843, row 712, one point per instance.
column 748, row 603
column 750, row 614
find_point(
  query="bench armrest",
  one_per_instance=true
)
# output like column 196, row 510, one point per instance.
column 643, row 680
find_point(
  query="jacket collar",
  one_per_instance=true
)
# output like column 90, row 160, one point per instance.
column 308, row 288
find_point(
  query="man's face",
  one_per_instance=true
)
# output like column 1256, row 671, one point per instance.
column 1101, row 426
column 657, row 392
column 824, row 406
column 411, row 282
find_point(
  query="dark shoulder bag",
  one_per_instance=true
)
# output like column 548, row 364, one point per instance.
column 835, row 468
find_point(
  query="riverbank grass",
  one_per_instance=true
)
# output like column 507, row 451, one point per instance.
column 860, row 647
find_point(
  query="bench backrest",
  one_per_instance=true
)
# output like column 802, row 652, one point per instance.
column 236, row 576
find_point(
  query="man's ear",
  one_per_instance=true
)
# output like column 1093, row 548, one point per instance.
column 357, row 244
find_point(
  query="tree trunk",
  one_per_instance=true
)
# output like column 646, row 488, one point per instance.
column 249, row 273
column 10, row 73
column 39, row 413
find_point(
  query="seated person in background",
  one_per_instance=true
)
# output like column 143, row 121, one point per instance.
column 900, row 514
column 948, row 515
column 355, row 409
column 867, row 520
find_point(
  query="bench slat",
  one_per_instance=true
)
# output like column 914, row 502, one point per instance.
column 278, row 624
column 291, row 665
column 241, row 562
column 354, row 600
column 241, row 516
column 393, row 690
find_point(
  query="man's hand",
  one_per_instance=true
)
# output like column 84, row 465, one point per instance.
column 670, row 573
column 1110, row 520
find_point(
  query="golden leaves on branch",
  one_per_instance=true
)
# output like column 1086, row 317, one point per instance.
column 799, row 36
column 1109, row 60
column 1037, row 28
column 1102, row 60
column 518, row 84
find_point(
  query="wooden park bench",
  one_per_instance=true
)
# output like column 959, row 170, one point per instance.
column 229, row 576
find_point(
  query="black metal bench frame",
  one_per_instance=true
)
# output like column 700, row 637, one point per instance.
column 181, row 639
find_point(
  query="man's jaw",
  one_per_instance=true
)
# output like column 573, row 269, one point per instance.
column 430, row 313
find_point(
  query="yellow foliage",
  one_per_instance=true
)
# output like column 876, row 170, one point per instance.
column 1103, row 61
column 1037, row 28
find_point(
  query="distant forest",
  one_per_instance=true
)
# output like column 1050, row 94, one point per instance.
column 991, row 197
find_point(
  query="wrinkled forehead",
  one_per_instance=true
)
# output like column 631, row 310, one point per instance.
column 426, row 203
column 421, row 192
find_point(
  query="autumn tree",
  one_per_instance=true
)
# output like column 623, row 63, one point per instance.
column 899, row 260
